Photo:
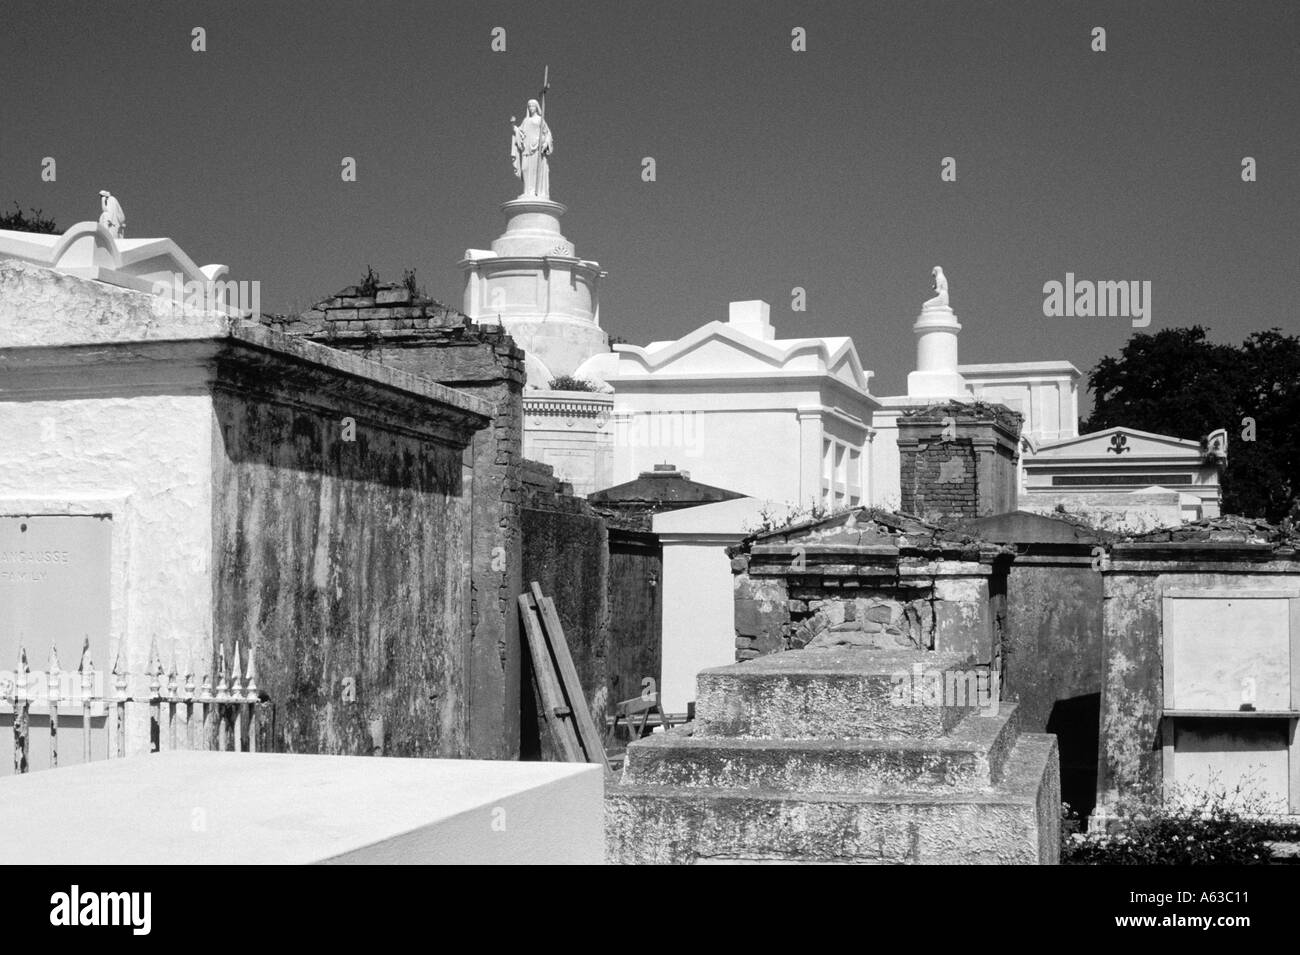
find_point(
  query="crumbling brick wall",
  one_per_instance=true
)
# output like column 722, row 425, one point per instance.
column 939, row 480
column 866, row 586
column 957, row 460
column 878, row 620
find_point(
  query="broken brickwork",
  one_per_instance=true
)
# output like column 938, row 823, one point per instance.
column 958, row 460
column 867, row 579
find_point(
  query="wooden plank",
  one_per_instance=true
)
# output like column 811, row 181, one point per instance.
column 587, row 734
column 548, row 689
column 638, row 704
column 593, row 743
column 546, row 685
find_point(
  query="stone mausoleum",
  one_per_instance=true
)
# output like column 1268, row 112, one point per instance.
column 198, row 500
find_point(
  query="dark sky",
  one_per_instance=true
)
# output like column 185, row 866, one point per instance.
column 775, row 169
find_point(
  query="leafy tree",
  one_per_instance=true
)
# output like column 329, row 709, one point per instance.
column 31, row 221
column 1177, row 382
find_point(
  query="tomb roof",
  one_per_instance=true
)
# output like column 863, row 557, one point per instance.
column 665, row 485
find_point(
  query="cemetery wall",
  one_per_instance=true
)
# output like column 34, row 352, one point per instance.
column 1052, row 636
column 344, row 560
column 392, row 325
column 566, row 550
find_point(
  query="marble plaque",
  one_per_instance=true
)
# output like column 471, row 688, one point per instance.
column 55, row 578
column 1229, row 651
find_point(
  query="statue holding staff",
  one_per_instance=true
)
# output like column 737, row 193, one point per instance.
column 531, row 146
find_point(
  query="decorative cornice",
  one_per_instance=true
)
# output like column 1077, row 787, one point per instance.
column 561, row 406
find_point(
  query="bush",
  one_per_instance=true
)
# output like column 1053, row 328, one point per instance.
column 1192, row 826
column 569, row 383
column 769, row 520
column 370, row 284
column 416, row 290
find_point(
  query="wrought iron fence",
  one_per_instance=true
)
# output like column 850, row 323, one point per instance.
column 186, row 711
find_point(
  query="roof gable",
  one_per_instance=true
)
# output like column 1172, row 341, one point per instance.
column 717, row 348
column 1120, row 443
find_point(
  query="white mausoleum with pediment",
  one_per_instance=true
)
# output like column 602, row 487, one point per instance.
column 786, row 419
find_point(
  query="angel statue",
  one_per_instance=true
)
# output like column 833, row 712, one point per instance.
column 112, row 218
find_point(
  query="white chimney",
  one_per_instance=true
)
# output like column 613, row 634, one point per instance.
column 752, row 318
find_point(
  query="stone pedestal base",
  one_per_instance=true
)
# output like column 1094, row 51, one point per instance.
column 533, row 284
column 816, row 756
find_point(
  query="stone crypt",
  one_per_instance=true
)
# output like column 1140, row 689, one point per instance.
column 864, row 723
column 177, row 482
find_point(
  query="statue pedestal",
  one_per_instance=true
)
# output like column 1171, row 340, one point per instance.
column 936, row 374
column 533, row 283
column 532, row 228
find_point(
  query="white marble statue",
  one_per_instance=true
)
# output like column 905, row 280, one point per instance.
column 530, row 147
column 940, row 286
column 112, row 217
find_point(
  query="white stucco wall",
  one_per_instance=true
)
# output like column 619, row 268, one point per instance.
column 752, row 451
column 886, row 478
column 1045, row 392
column 145, row 460
column 699, row 618
column 699, row 628
column 573, row 432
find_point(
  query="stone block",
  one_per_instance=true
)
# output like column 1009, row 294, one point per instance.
column 821, row 694
column 969, row 759
column 1016, row 822
column 755, row 617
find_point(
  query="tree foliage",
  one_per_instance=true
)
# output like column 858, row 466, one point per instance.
column 1179, row 383
column 30, row 221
